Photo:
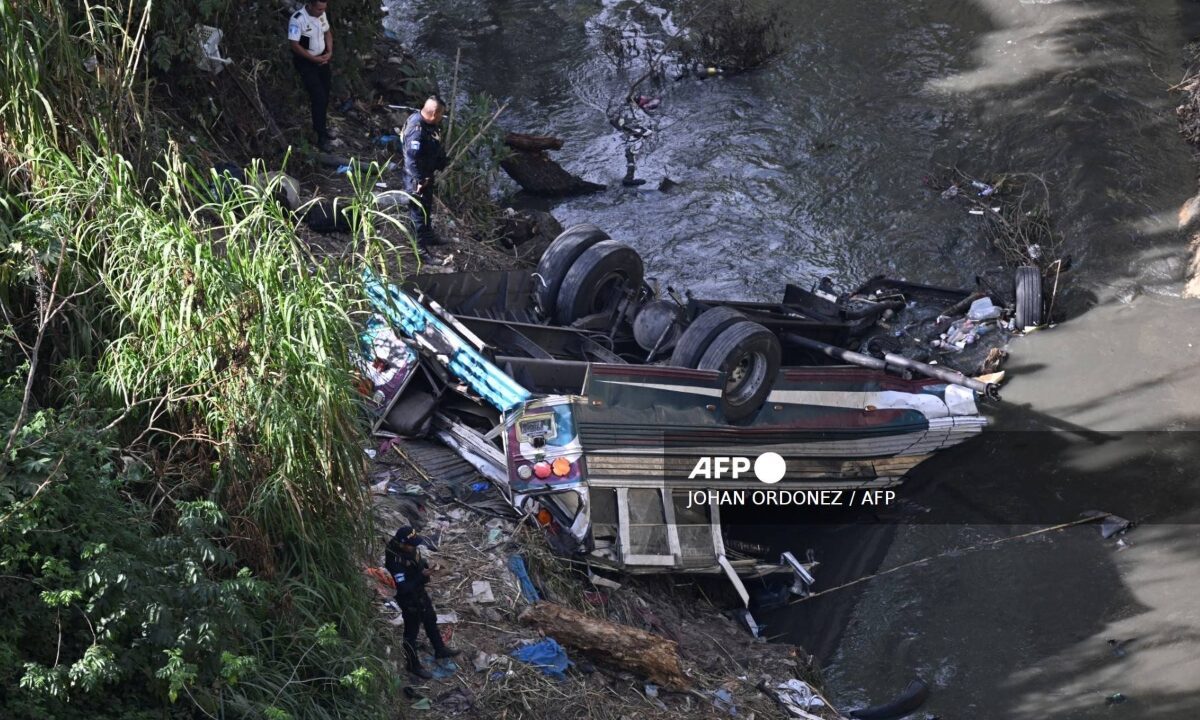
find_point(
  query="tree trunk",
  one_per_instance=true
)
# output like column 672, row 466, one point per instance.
column 538, row 174
column 532, row 143
column 620, row 646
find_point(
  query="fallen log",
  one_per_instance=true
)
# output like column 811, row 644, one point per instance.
column 532, row 143
column 536, row 173
column 620, row 646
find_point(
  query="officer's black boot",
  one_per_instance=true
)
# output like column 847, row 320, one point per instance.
column 414, row 663
column 427, row 237
column 446, row 652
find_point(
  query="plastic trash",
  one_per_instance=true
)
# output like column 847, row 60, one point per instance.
column 984, row 189
column 387, row 139
column 950, row 192
column 343, row 170
column 1115, row 699
column 441, row 669
column 1112, row 525
column 797, row 696
column 723, row 701
column 975, row 211
column 481, row 592
column 983, row 309
column 516, row 564
column 209, row 57
column 646, row 102
column 547, row 655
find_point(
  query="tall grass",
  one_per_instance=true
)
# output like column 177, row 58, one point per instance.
column 218, row 348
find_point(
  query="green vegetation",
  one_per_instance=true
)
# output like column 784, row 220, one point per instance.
column 182, row 515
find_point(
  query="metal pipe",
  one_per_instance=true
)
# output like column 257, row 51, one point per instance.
column 895, row 362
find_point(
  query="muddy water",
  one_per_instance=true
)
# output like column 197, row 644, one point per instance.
column 814, row 167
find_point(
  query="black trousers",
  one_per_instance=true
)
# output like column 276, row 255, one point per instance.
column 418, row 615
column 421, row 215
column 318, row 80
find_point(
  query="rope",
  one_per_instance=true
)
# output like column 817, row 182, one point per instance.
column 957, row 551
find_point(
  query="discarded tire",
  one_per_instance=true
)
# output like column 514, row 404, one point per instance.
column 558, row 259
column 749, row 355
column 597, row 280
column 287, row 192
column 701, row 333
column 1029, row 297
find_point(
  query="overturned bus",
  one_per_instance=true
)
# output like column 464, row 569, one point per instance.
column 590, row 398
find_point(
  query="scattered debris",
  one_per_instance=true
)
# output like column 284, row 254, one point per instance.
column 484, row 660
column 1118, row 646
column 751, row 625
column 516, row 564
column 798, row 697
column 648, row 103
column 208, row 57
column 608, row 643
column 1113, row 525
column 481, row 592
column 1115, row 699
column 547, row 655
column 601, row 581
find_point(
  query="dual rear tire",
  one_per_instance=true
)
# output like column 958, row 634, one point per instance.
column 749, row 354
column 585, row 272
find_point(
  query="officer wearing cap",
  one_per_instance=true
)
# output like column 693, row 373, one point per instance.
column 411, row 573
column 423, row 156
column 312, row 49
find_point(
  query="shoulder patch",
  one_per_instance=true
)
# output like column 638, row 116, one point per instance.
column 415, row 144
column 296, row 16
column 398, row 577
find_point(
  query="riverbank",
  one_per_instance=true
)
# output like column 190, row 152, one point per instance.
column 732, row 673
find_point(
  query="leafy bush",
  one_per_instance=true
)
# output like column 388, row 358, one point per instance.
column 182, row 507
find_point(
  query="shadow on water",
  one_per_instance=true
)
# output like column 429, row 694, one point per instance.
column 1017, row 628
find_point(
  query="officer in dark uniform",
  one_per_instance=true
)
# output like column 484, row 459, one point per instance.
column 423, row 156
column 411, row 573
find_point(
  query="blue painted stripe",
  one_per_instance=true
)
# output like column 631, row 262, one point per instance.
column 489, row 381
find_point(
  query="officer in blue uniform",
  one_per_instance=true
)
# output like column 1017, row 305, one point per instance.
column 423, row 157
column 411, row 573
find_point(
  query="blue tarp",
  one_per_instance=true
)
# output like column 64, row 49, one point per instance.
column 548, row 655
column 516, row 564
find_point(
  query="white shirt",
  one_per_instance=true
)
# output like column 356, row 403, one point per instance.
column 308, row 30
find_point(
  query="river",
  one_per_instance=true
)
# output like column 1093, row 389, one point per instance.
column 814, row 166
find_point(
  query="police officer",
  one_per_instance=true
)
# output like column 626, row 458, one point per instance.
column 312, row 49
column 423, row 156
column 411, row 573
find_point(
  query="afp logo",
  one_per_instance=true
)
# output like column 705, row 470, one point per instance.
column 769, row 467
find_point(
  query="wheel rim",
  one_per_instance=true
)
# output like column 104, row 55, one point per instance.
column 608, row 292
column 745, row 377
